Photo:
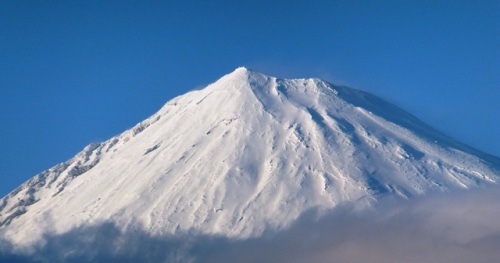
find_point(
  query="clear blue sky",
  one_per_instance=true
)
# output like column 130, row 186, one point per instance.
column 77, row 72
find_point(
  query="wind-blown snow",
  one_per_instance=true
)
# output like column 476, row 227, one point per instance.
column 245, row 154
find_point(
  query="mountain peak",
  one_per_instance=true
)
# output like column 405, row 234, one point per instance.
column 246, row 72
column 241, row 78
column 240, row 72
column 247, row 153
column 241, row 69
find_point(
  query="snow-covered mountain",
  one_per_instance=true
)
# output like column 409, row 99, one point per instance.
column 247, row 153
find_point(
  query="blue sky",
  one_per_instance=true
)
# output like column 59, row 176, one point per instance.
column 77, row 72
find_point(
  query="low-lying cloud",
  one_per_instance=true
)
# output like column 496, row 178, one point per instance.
column 454, row 227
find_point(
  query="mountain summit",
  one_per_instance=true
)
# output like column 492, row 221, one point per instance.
column 247, row 153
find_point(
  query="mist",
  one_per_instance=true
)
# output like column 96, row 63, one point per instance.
column 454, row 227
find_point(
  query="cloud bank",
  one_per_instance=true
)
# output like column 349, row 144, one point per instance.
column 454, row 227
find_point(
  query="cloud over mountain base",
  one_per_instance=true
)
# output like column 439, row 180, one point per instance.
column 457, row 227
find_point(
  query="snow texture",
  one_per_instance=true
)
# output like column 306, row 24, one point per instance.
column 246, row 154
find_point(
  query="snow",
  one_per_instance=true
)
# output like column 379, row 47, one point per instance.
column 247, row 153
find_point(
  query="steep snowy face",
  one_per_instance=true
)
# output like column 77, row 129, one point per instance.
column 246, row 153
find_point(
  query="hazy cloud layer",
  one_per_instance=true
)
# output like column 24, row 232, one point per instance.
column 458, row 227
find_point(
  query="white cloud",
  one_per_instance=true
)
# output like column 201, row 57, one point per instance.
column 454, row 227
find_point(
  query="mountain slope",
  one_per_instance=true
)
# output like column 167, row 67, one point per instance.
column 247, row 153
